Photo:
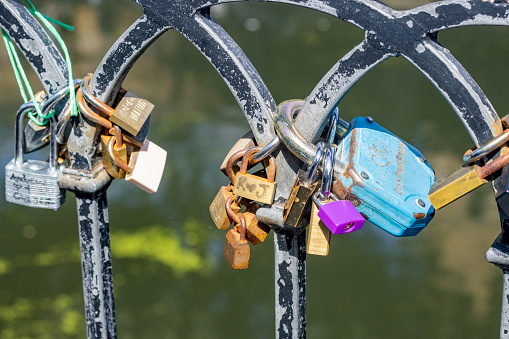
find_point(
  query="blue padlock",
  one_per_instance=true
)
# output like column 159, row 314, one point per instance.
column 390, row 177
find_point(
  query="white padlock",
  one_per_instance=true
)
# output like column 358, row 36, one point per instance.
column 146, row 165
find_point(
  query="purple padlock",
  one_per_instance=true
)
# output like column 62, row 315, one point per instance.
column 340, row 216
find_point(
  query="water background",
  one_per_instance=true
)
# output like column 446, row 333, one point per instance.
column 171, row 279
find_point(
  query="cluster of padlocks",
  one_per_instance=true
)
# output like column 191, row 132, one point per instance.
column 358, row 171
column 126, row 151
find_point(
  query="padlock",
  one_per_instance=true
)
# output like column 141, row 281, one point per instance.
column 218, row 209
column 390, row 178
column 318, row 241
column 464, row 180
column 340, row 216
column 146, row 165
column 132, row 113
column 256, row 231
column 120, row 152
column 252, row 187
column 33, row 183
column 244, row 143
column 303, row 190
column 236, row 247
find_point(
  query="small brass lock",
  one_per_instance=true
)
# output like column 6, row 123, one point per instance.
column 253, row 187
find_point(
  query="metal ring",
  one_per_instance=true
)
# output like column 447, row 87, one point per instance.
column 317, row 160
column 328, row 167
column 266, row 150
column 487, row 148
column 291, row 137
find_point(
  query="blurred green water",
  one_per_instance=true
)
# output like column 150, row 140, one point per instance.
column 171, row 280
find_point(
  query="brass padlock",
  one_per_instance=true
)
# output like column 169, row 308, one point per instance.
column 120, row 152
column 244, row 143
column 318, row 242
column 236, row 247
column 256, row 231
column 463, row 180
column 253, row 187
column 218, row 210
column 304, row 189
column 133, row 114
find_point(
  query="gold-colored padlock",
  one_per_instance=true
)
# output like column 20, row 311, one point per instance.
column 236, row 247
column 218, row 209
column 253, row 187
column 463, row 180
column 256, row 231
column 318, row 242
column 246, row 142
column 120, row 152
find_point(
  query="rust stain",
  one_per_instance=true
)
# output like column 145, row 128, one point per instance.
column 418, row 216
column 344, row 194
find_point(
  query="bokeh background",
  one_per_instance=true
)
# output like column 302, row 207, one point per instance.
column 171, row 279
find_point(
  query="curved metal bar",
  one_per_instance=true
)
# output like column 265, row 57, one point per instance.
column 331, row 89
column 440, row 15
column 35, row 44
column 458, row 88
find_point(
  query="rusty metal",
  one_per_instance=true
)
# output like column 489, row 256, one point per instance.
column 89, row 114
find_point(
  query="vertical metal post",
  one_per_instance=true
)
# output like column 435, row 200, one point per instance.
column 96, row 265
column 290, row 281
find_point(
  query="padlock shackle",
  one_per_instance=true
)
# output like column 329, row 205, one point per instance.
column 328, row 170
column 246, row 159
column 242, row 226
column 92, row 99
column 231, row 161
column 114, row 158
column 493, row 166
column 317, row 160
column 331, row 134
column 291, row 137
column 88, row 113
column 54, row 99
column 229, row 211
column 19, row 132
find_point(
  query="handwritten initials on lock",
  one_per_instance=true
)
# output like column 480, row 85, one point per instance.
column 253, row 187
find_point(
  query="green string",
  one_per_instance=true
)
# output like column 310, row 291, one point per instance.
column 49, row 26
column 20, row 73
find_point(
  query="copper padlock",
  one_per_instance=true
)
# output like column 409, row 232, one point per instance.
column 236, row 247
column 120, row 151
column 253, row 187
column 256, row 231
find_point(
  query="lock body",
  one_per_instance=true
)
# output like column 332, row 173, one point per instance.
column 33, row 184
column 318, row 242
column 218, row 211
column 236, row 250
column 390, row 178
column 147, row 167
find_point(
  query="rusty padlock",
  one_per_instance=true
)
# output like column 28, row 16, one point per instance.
column 236, row 247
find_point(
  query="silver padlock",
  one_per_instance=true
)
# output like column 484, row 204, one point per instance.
column 33, row 183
